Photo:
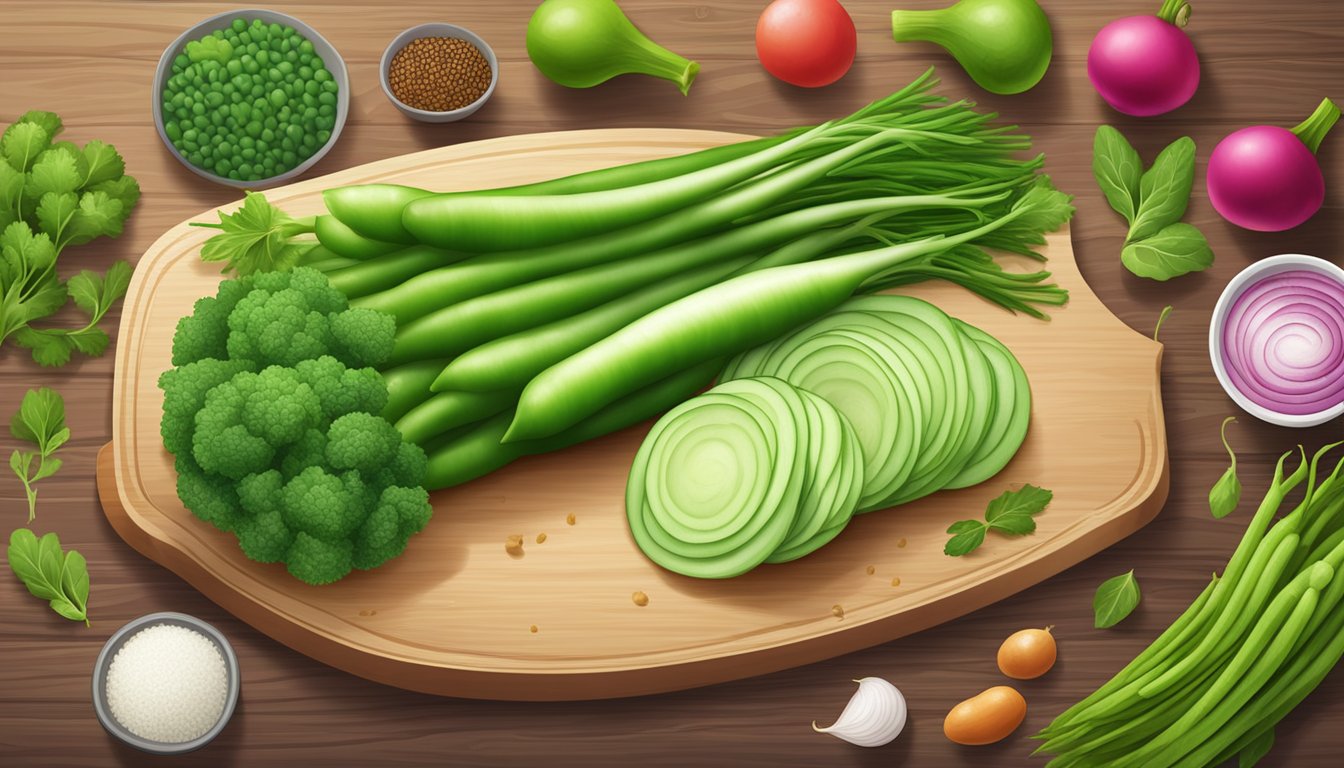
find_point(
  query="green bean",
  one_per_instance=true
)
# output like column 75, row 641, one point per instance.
column 724, row 319
column 459, row 327
column 450, row 410
column 408, row 386
column 488, row 273
column 344, row 241
column 479, row 451
column 378, row 274
column 374, row 210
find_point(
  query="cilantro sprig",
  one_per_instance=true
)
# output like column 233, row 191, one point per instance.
column 258, row 237
column 40, row 420
column 1010, row 514
column 55, row 194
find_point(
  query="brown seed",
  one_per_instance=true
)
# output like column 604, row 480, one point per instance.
column 541, row 537
column 838, row 611
column 439, row 74
column 640, row 599
column 533, row 629
column 570, row 519
column 514, row 545
column 901, row 542
column 896, row 581
column 871, row 570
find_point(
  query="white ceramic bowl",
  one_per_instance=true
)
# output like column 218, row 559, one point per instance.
column 1271, row 266
column 330, row 58
column 119, row 639
column 438, row 29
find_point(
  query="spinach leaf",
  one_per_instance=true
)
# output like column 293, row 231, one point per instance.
column 60, row 578
column 1176, row 250
column 1011, row 514
column 1117, row 169
column 1164, row 190
column 1116, row 598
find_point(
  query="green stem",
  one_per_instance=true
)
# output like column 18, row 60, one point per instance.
column 32, row 498
column 917, row 25
column 1175, row 12
column 660, row 62
column 1314, row 128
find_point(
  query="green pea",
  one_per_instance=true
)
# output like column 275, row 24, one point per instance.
column 323, row 136
column 264, row 57
column 275, row 30
column 274, row 75
column 305, row 72
column 181, row 113
column 177, row 99
column 255, row 49
column 253, row 128
column 285, row 68
column 309, row 114
column 324, row 123
column 190, row 146
column 198, row 108
column 174, row 133
column 218, row 85
column 258, row 24
column 224, row 147
column 245, row 169
column 234, row 67
column 322, row 75
column 311, row 88
column 223, row 166
column 284, row 113
column 195, row 159
column 189, row 135
column 326, row 110
column 214, row 99
column 251, row 67
column 288, row 157
column 268, row 166
column 331, row 87
column 309, row 141
column 180, row 62
column 294, row 133
column 328, row 99
column 288, row 144
column 184, row 126
column 278, row 98
column 309, row 101
column 245, row 38
column 200, row 121
column 238, row 25
column 218, row 34
column 257, row 91
column 306, row 47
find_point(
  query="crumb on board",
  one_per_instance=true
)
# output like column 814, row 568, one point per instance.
column 640, row 599
column 368, row 612
column 871, row 569
column 901, row 542
column 514, row 545
column 896, row 581
column 838, row 611
column 541, row 537
column 570, row 519
column 532, row 629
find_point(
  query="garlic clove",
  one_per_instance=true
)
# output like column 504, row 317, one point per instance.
column 875, row 715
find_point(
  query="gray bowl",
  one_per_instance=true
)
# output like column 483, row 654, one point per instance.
column 333, row 61
column 119, row 639
column 438, row 29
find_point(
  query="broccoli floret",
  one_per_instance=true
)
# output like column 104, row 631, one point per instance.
column 319, row 504
column 273, row 415
column 204, row 333
column 209, row 497
column 343, row 390
column 319, row 562
column 363, row 336
column 362, row 441
column 184, row 391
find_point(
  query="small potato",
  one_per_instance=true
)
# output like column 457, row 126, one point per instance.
column 1027, row 654
column 987, row 717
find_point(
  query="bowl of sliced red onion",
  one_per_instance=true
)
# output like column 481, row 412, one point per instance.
column 1277, row 340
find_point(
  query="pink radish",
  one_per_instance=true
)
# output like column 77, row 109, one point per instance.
column 1145, row 65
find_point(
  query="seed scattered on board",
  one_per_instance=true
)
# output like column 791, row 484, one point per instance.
column 541, row 537
column 514, row 545
column 640, row 599
column 838, row 611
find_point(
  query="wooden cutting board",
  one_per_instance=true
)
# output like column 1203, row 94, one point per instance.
column 458, row 615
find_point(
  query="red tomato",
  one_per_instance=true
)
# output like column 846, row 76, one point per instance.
column 806, row 42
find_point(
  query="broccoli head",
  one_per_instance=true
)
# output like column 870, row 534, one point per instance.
column 272, row 416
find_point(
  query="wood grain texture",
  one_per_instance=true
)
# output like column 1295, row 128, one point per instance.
column 93, row 61
column 453, row 615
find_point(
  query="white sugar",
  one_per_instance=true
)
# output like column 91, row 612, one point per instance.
column 167, row 683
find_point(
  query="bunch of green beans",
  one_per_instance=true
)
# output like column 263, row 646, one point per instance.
column 1253, row 645
column 495, row 291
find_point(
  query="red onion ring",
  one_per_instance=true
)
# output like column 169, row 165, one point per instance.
column 1283, row 342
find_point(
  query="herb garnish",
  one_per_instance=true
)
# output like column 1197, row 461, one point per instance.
column 1116, row 598
column 40, row 420
column 1010, row 514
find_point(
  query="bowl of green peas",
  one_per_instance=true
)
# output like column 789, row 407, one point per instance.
column 250, row 98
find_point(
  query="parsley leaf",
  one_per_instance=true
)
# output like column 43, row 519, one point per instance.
column 40, row 420
column 256, row 238
column 54, row 195
column 1011, row 514
column 60, row 578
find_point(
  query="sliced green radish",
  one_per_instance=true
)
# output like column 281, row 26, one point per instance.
column 1012, row 412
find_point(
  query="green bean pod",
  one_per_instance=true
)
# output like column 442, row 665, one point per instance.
column 408, row 386
column 479, row 451
column 378, row 274
column 344, row 241
column 374, row 210
column 450, row 410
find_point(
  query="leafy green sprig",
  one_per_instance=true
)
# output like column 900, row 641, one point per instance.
column 1012, row 513
column 61, row 578
column 54, row 194
column 40, row 420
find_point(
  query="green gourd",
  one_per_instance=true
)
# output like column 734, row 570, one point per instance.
column 582, row 43
column 1004, row 45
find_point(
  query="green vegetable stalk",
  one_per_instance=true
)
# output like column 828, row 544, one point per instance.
column 582, row 43
column 54, row 194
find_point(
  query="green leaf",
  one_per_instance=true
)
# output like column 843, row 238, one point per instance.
column 21, row 463
column 98, row 215
column 1161, row 318
column 22, row 143
column 95, row 293
column 102, row 161
column 1025, row 501
column 967, row 536
column 50, row 348
column 1225, row 494
column 1116, row 598
column 62, row 579
column 48, row 466
column 56, row 170
column 124, row 190
column 11, row 190
column 1118, row 170
column 40, row 419
column 1253, row 752
column 1177, row 250
column 50, row 121
column 1164, row 190
column 54, row 214
column 256, row 238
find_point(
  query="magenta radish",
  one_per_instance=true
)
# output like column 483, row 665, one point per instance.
column 1145, row 65
column 1266, row 178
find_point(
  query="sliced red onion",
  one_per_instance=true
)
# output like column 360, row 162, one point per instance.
column 1283, row 342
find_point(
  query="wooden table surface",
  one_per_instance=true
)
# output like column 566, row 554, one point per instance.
column 93, row 62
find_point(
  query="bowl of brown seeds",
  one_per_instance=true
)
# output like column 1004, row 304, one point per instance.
column 438, row 72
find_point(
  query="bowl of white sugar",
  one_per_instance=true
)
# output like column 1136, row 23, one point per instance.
column 166, row 683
